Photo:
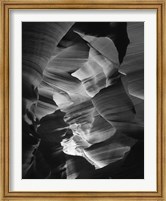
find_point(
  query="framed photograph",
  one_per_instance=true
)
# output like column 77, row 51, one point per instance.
column 82, row 100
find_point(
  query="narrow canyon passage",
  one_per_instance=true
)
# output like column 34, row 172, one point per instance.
column 83, row 100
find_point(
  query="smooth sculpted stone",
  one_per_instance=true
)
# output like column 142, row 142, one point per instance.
column 133, row 64
column 115, row 106
column 83, row 107
column 39, row 41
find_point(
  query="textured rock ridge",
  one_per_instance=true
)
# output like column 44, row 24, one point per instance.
column 83, row 100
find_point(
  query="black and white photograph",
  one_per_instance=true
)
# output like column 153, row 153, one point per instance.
column 83, row 100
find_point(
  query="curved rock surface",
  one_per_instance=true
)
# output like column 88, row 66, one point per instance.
column 83, row 101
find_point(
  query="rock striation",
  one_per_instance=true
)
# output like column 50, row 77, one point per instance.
column 83, row 100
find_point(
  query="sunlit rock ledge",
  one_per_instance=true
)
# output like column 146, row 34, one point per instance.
column 83, row 100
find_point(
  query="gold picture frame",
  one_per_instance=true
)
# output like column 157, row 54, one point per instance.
column 6, row 6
